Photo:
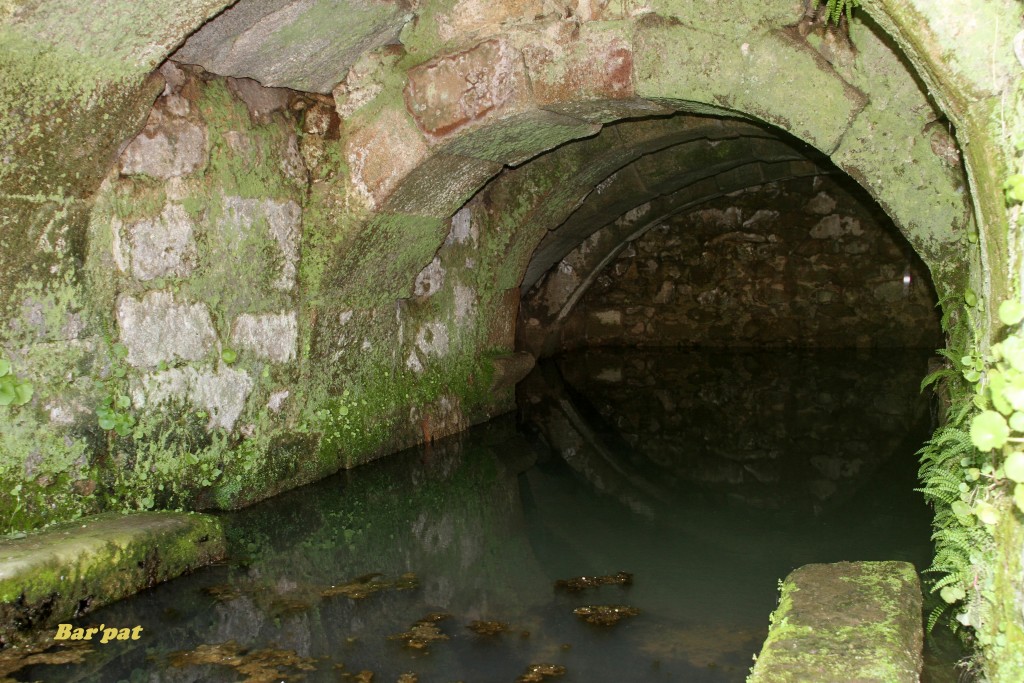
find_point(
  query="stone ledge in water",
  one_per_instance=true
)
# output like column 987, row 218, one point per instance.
column 848, row 621
column 53, row 575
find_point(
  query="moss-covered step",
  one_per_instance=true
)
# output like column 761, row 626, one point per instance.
column 848, row 621
column 67, row 570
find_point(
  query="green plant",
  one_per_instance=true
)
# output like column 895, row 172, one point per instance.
column 113, row 411
column 835, row 10
column 13, row 390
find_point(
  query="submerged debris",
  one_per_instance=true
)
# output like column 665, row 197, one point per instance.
column 605, row 615
column 257, row 666
column 223, row 592
column 538, row 672
column 17, row 657
column 487, row 628
column 423, row 632
column 408, row 677
column 583, row 582
column 365, row 586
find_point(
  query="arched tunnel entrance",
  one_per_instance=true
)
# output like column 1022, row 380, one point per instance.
column 717, row 244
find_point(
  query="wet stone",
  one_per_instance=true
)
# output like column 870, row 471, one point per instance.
column 255, row 666
column 367, row 585
column 538, row 672
column 40, row 650
column 423, row 632
column 605, row 615
column 487, row 628
column 580, row 583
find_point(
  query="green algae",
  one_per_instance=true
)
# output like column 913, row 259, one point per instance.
column 846, row 621
column 69, row 569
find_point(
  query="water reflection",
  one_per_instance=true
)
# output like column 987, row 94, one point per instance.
column 706, row 477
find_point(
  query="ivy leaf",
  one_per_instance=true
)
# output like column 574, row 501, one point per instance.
column 5, row 366
column 1011, row 312
column 989, row 430
column 970, row 298
column 123, row 401
column 1013, row 468
column 120, row 350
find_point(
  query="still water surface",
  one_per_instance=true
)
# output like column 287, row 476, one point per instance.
column 707, row 477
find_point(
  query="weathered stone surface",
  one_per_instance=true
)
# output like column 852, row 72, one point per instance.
column 452, row 92
column 511, row 368
column 382, row 154
column 430, row 279
column 590, row 65
column 758, row 268
column 283, row 222
column 321, row 39
column 52, row 576
column 272, row 337
column 261, row 101
column 773, row 77
column 157, row 247
column 158, row 328
column 222, row 393
column 170, row 145
column 849, row 621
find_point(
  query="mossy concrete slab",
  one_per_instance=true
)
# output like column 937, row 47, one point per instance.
column 848, row 621
column 70, row 569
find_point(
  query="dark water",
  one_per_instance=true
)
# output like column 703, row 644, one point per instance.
column 708, row 477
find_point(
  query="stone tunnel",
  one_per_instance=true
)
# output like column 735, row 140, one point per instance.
column 246, row 245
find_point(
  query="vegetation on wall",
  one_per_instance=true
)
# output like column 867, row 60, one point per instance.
column 835, row 10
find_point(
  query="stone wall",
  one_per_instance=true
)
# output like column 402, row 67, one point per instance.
column 809, row 262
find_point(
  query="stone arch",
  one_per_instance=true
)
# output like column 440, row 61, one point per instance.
column 867, row 114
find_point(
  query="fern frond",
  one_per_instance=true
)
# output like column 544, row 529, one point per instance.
column 934, row 616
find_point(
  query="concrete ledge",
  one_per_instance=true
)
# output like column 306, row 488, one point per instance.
column 849, row 621
column 68, row 570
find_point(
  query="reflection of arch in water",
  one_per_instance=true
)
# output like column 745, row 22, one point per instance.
column 800, row 432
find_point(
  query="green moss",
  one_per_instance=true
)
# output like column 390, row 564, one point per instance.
column 54, row 575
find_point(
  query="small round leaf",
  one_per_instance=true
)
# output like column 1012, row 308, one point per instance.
column 1013, row 468
column 228, row 356
column 989, row 430
column 1011, row 312
column 5, row 366
column 23, row 393
column 986, row 513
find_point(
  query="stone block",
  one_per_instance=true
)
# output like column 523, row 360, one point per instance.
column 162, row 246
column 848, row 621
column 283, row 222
column 222, row 393
column 158, row 328
column 272, row 337
column 453, row 92
column 58, row 574
column 582, row 65
column 322, row 39
column 169, row 146
column 382, row 154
